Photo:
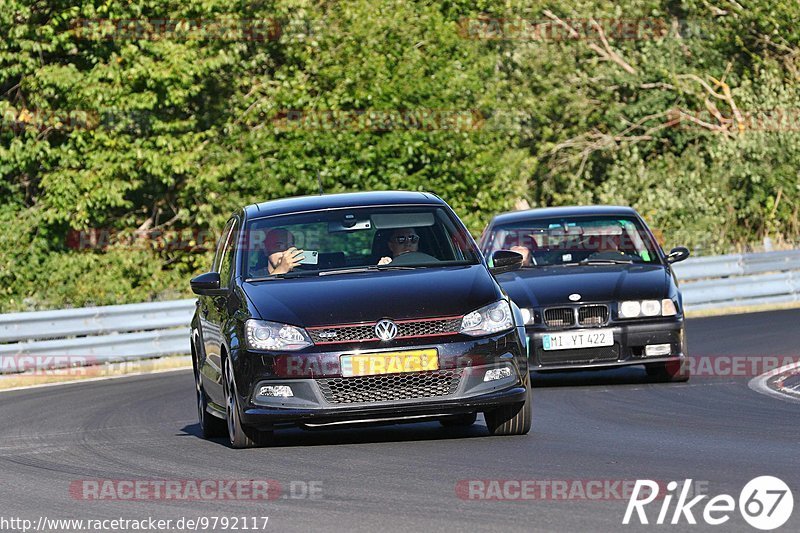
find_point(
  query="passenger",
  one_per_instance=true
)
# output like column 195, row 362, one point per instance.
column 401, row 241
column 282, row 256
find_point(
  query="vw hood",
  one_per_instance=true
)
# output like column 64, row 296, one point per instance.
column 370, row 296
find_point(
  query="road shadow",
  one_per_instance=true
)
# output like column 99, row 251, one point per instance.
column 628, row 375
column 362, row 434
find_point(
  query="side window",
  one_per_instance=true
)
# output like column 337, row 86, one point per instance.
column 227, row 257
column 221, row 244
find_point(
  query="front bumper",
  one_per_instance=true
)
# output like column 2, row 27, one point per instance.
column 321, row 395
column 630, row 339
column 321, row 414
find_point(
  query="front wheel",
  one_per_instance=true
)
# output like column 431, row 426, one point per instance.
column 240, row 436
column 512, row 419
column 210, row 425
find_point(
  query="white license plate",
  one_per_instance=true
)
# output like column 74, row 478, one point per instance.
column 578, row 339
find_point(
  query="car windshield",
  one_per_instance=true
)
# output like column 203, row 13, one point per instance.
column 360, row 239
column 575, row 241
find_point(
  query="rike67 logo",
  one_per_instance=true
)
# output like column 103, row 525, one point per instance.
column 765, row 503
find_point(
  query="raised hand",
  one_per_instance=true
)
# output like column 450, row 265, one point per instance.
column 286, row 261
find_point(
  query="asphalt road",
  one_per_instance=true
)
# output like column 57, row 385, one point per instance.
column 607, row 426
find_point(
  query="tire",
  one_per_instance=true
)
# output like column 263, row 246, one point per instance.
column 239, row 435
column 210, row 425
column 513, row 419
column 454, row 421
column 676, row 371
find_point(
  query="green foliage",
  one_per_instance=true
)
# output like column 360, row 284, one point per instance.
column 103, row 128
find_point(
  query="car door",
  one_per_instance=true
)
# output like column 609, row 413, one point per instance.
column 211, row 316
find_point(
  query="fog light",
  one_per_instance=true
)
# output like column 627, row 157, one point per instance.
column 282, row 391
column 497, row 373
column 657, row 349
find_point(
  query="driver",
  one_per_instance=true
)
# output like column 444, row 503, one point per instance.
column 401, row 241
column 607, row 247
column 282, row 256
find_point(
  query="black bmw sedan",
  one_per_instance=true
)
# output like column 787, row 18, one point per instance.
column 595, row 290
column 355, row 308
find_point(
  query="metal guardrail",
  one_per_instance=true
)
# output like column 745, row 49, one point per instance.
column 89, row 335
column 136, row 331
column 719, row 266
column 94, row 320
column 736, row 280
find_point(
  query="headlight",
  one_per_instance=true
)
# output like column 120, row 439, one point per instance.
column 651, row 307
column 264, row 335
column 492, row 318
column 629, row 309
column 647, row 308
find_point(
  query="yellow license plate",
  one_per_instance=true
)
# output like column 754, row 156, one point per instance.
column 370, row 364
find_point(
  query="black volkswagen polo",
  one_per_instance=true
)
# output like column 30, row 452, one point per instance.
column 355, row 308
column 595, row 289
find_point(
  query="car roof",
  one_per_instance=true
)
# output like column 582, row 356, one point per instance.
column 566, row 211
column 298, row 204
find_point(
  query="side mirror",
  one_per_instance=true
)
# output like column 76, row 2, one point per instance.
column 677, row 254
column 505, row 261
column 207, row 285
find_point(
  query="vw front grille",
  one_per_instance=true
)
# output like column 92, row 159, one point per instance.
column 426, row 327
column 389, row 387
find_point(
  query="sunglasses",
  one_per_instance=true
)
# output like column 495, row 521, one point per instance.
column 401, row 239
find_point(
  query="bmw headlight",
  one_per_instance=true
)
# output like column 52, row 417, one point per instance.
column 647, row 308
column 265, row 335
column 492, row 318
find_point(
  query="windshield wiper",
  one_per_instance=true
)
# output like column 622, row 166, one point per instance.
column 370, row 268
column 288, row 275
column 603, row 262
column 352, row 270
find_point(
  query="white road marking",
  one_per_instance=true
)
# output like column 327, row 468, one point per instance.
column 759, row 383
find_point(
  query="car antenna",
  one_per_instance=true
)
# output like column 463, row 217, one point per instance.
column 319, row 182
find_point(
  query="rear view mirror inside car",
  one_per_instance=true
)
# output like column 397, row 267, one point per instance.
column 349, row 222
column 560, row 231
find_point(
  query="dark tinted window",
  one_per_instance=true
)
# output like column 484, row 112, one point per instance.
column 227, row 256
column 357, row 237
column 574, row 239
column 226, row 232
